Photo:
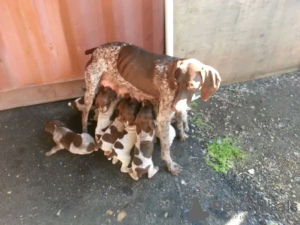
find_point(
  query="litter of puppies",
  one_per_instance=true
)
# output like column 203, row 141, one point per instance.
column 123, row 125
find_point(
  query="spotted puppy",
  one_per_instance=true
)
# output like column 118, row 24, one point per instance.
column 64, row 138
column 123, row 145
column 106, row 102
column 78, row 105
column 142, row 161
column 112, row 133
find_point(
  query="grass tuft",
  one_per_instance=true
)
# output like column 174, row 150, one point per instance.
column 222, row 154
column 197, row 121
column 194, row 105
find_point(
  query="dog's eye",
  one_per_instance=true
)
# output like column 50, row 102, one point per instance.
column 191, row 86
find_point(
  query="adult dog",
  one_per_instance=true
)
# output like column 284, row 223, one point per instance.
column 168, row 82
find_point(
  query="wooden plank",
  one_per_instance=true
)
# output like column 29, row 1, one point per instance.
column 38, row 94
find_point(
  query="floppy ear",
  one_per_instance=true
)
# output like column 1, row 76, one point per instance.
column 175, row 74
column 152, row 125
column 210, row 82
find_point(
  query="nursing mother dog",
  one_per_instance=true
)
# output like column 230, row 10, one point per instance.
column 168, row 82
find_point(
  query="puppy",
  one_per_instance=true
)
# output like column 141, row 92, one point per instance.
column 113, row 132
column 64, row 138
column 78, row 105
column 142, row 162
column 106, row 102
column 123, row 145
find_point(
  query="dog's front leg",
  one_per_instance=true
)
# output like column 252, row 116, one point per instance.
column 180, row 122
column 92, row 77
column 163, row 123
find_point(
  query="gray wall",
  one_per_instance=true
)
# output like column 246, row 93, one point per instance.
column 242, row 39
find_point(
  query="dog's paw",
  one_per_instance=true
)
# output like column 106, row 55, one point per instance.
column 186, row 129
column 174, row 168
column 183, row 137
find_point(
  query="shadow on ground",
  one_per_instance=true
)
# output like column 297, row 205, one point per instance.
column 71, row 189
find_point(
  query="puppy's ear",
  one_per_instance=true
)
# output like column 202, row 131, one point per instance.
column 58, row 123
column 137, row 122
column 152, row 125
column 210, row 82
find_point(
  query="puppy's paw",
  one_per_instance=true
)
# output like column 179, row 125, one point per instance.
column 125, row 170
column 115, row 160
column 174, row 168
column 48, row 153
column 133, row 175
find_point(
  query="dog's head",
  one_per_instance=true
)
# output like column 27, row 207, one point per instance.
column 145, row 119
column 52, row 124
column 128, row 109
column 189, row 75
column 104, row 98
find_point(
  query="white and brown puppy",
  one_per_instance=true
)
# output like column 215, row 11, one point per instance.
column 78, row 105
column 112, row 133
column 123, row 145
column 142, row 162
column 64, row 138
column 106, row 102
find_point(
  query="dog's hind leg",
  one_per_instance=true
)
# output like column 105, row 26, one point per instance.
column 93, row 75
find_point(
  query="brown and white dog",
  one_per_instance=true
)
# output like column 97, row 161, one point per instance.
column 64, row 138
column 142, row 161
column 123, row 145
column 168, row 82
column 106, row 102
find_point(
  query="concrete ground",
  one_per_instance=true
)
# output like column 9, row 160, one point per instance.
column 71, row 189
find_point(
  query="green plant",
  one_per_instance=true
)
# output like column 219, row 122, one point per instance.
column 197, row 121
column 194, row 105
column 222, row 153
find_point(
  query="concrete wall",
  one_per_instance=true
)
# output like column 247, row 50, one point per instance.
column 242, row 39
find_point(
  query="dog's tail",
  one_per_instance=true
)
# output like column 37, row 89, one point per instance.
column 90, row 51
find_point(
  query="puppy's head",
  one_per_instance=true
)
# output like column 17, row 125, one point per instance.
column 52, row 124
column 104, row 98
column 189, row 75
column 128, row 109
column 145, row 119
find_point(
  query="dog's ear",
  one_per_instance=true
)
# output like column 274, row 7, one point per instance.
column 210, row 82
column 175, row 74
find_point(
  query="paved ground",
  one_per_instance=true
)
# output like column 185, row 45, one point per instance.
column 69, row 189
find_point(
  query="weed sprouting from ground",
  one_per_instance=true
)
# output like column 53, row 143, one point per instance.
column 222, row 154
column 197, row 122
column 194, row 105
